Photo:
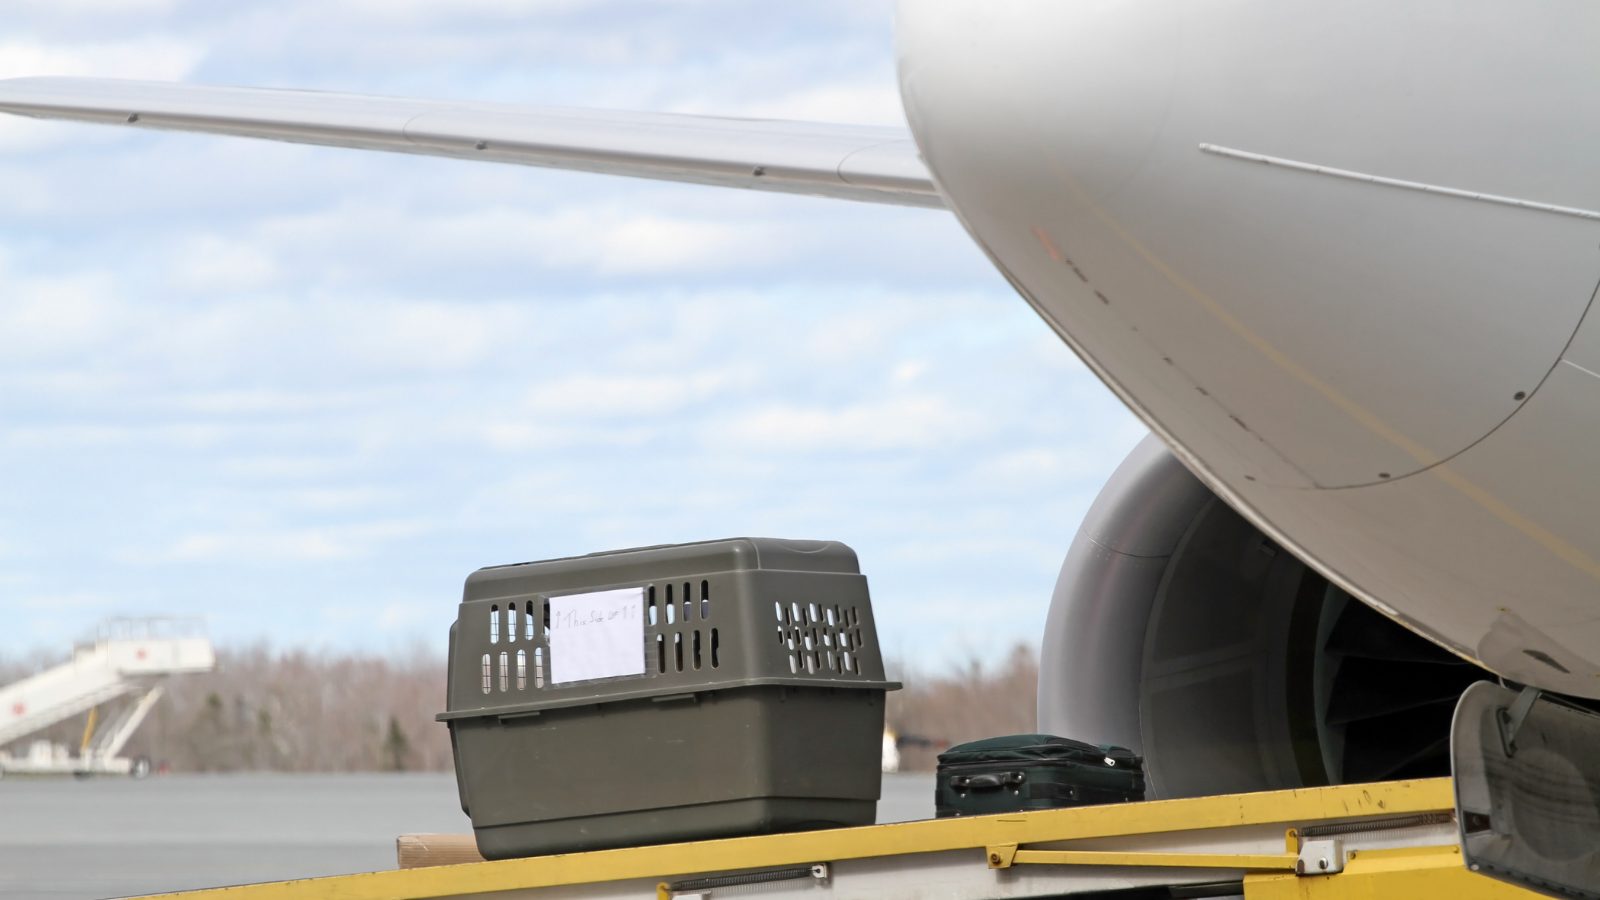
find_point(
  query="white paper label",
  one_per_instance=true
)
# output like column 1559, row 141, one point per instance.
column 599, row 635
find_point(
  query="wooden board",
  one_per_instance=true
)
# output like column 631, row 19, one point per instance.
column 416, row 851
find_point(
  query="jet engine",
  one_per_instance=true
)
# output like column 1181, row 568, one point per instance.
column 1179, row 630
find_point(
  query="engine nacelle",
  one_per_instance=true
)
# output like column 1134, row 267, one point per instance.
column 1178, row 630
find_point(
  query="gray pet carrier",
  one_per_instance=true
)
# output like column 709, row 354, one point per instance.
column 666, row 694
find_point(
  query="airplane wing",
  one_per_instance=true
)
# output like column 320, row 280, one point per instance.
column 852, row 162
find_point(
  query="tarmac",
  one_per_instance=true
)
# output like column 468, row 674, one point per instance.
column 62, row 839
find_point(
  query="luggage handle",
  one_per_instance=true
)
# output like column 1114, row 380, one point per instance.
column 989, row 782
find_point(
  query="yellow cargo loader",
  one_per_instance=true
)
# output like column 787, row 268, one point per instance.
column 1387, row 840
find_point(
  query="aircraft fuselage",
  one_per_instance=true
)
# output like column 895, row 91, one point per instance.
column 1338, row 256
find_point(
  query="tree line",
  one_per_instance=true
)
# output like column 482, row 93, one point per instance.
column 297, row 710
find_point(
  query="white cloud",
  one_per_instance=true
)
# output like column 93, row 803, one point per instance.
column 70, row 601
column 70, row 435
column 913, row 422
column 212, row 263
column 522, row 436
column 63, row 8
column 152, row 58
column 284, row 468
column 628, row 395
column 1048, row 465
column 255, row 401
column 416, row 12
column 877, row 323
column 27, row 135
column 400, row 616
column 61, row 381
column 334, row 499
column 640, row 244
column 294, row 545
column 910, row 371
column 600, row 239
column 435, row 336
column 871, row 102
column 49, row 317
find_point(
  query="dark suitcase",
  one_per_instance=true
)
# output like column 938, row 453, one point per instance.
column 1033, row 771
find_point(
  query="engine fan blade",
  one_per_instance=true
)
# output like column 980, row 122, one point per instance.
column 1388, row 695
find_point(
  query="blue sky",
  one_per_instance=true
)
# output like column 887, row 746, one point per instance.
column 304, row 392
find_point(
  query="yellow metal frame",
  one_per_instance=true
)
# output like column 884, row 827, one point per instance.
column 981, row 834
column 1401, row 874
column 1004, row 857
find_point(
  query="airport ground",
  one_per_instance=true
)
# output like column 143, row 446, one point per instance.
column 76, row 840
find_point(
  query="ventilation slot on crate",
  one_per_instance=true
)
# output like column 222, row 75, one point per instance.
column 820, row 638
column 670, row 648
column 517, row 622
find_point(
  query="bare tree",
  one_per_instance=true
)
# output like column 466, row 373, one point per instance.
column 302, row 711
column 971, row 701
column 305, row 710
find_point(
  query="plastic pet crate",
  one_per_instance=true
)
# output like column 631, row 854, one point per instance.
column 666, row 694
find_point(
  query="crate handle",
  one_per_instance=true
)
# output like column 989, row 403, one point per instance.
column 677, row 698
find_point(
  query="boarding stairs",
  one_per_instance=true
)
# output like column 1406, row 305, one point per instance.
column 128, row 658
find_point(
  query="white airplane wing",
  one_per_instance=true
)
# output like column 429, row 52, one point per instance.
column 853, row 162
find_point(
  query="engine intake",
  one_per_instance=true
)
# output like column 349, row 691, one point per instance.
column 1179, row 630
